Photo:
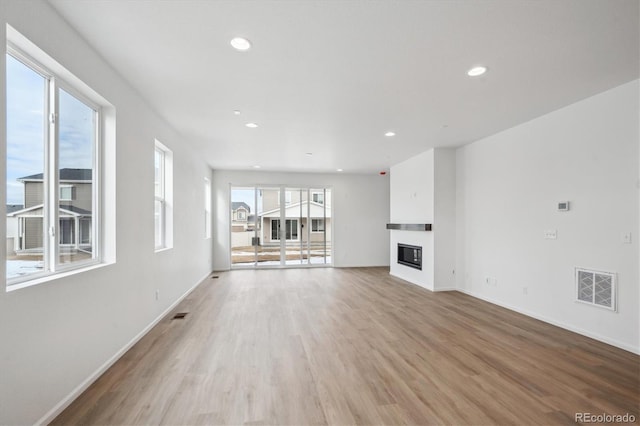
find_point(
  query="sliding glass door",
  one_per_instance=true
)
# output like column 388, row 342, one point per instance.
column 275, row 226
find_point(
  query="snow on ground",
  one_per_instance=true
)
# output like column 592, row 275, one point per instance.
column 314, row 261
column 17, row 268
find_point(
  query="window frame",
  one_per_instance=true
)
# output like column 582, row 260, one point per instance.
column 55, row 81
column 279, row 231
column 66, row 186
column 207, row 209
column 315, row 221
column 166, row 198
column 314, row 193
column 160, row 239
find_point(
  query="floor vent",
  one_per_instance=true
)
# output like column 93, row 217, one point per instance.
column 180, row 315
column 213, row 277
column 596, row 288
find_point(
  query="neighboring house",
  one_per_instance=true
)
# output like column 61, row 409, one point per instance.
column 12, row 228
column 240, row 216
column 297, row 208
column 75, row 217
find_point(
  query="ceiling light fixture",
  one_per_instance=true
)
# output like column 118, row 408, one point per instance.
column 256, row 167
column 339, row 170
column 251, row 125
column 309, row 154
column 476, row 71
column 236, row 112
column 241, row 44
column 390, row 134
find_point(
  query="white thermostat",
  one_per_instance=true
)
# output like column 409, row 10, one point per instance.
column 563, row 206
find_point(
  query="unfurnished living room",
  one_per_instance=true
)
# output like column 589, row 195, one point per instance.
column 296, row 212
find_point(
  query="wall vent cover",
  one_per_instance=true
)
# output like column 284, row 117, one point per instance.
column 596, row 288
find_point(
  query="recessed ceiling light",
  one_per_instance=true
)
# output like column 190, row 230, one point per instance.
column 309, row 154
column 476, row 71
column 389, row 134
column 339, row 170
column 251, row 125
column 236, row 112
column 241, row 44
column 256, row 167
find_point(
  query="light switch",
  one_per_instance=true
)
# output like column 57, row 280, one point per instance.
column 626, row 238
column 551, row 234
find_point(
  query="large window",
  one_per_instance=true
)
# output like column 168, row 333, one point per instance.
column 52, row 190
column 207, row 208
column 286, row 226
column 163, row 209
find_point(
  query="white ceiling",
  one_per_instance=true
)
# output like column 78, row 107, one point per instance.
column 331, row 77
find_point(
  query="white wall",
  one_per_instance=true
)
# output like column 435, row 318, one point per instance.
column 444, row 229
column 360, row 206
column 412, row 201
column 423, row 190
column 508, row 187
column 56, row 335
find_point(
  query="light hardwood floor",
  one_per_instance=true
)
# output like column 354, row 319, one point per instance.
column 354, row 346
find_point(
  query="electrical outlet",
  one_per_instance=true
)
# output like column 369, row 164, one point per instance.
column 626, row 238
column 551, row 234
column 494, row 281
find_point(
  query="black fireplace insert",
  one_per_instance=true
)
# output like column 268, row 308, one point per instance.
column 410, row 256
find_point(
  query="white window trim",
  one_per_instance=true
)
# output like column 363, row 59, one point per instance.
column 207, row 209
column 58, row 78
column 166, row 198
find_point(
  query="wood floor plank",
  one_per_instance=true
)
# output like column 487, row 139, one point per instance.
column 354, row 346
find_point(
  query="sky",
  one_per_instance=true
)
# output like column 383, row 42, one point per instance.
column 26, row 100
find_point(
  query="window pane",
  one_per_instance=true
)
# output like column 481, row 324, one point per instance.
column 26, row 100
column 207, row 208
column 66, row 193
column 158, row 173
column 158, row 223
column 76, row 142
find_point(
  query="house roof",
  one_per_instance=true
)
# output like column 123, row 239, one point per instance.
column 235, row 205
column 65, row 211
column 75, row 209
column 316, row 210
column 14, row 208
column 65, row 175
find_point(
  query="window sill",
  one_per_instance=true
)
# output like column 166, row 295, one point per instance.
column 55, row 276
column 161, row 249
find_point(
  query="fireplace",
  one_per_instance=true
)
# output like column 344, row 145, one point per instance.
column 410, row 256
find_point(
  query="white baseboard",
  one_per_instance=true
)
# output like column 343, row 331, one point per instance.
column 551, row 321
column 425, row 286
column 59, row 407
column 446, row 289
